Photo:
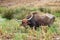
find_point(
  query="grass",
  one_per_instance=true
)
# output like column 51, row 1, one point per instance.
column 11, row 29
column 20, row 33
column 57, row 14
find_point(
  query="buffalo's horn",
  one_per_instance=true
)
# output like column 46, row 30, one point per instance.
column 30, row 17
column 18, row 20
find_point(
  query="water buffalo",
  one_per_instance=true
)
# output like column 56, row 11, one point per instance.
column 35, row 20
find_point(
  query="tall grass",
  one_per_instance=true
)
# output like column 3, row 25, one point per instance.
column 2, row 10
column 45, row 9
column 19, row 32
column 21, row 12
column 18, row 13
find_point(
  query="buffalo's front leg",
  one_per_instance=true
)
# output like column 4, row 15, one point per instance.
column 31, row 26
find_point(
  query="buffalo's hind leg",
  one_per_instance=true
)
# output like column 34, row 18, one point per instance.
column 49, row 25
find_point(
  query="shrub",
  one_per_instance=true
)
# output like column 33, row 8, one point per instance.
column 18, row 13
column 41, row 9
column 57, row 11
column 21, row 12
column 2, row 10
column 44, row 9
column 8, row 14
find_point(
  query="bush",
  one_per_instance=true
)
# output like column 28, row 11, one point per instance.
column 18, row 13
column 21, row 12
column 8, row 14
column 44, row 9
column 2, row 10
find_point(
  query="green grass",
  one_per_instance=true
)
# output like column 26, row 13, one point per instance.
column 57, row 14
column 19, row 32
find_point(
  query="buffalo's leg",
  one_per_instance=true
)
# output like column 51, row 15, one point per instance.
column 49, row 25
column 31, row 26
column 36, row 26
column 33, row 23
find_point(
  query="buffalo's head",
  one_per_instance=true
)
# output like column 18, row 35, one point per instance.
column 25, row 21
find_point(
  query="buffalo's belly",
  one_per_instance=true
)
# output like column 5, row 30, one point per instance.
column 44, row 24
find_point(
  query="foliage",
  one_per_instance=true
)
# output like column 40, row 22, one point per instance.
column 2, row 10
column 45, row 9
column 8, row 14
column 8, row 27
column 20, row 33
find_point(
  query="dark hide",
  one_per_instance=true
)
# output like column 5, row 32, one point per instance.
column 40, row 20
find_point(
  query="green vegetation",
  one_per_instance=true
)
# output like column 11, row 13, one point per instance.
column 45, row 9
column 11, row 29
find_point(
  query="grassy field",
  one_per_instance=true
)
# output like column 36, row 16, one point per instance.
column 11, row 29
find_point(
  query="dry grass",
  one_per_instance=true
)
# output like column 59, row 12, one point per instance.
column 10, row 29
column 31, row 3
